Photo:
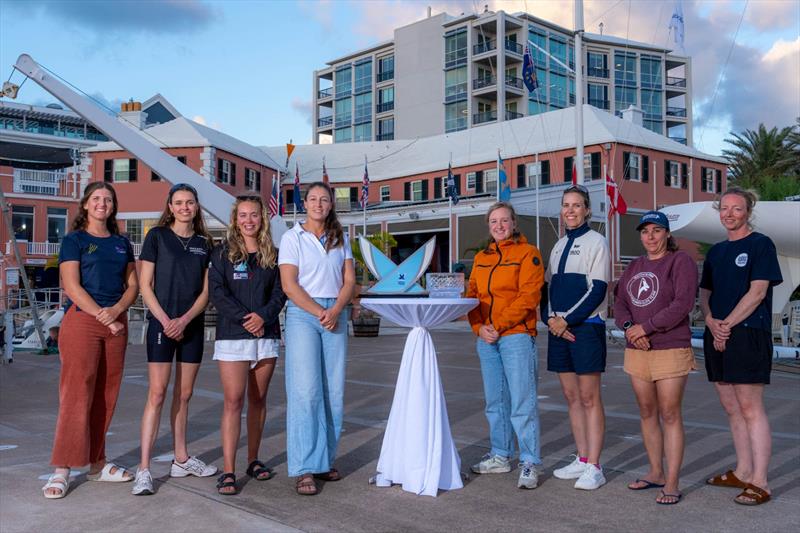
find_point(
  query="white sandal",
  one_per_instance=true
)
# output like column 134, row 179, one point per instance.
column 56, row 481
column 120, row 476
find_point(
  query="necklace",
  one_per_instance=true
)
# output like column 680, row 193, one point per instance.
column 184, row 240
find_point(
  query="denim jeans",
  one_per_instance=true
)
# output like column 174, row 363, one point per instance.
column 315, row 368
column 510, row 370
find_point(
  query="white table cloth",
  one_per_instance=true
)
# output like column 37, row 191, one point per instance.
column 418, row 450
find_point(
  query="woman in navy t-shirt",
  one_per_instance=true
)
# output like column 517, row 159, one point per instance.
column 174, row 285
column 99, row 278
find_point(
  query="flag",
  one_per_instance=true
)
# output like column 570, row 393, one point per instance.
column 365, row 186
column 574, row 172
column 452, row 191
column 325, row 178
column 274, row 196
column 503, row 186
column 298, row 202
column 615, row 199
column 529, row 71
column 676, row 25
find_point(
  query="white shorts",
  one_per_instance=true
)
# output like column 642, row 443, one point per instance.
column 253, row 350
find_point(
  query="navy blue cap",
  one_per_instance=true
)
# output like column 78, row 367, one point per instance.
column 653, row 217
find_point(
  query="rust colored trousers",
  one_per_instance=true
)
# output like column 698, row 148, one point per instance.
column 92, row 361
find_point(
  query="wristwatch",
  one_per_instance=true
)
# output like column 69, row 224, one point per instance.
column 627, row 325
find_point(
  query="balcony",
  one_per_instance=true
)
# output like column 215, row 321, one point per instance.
column 325, row 93
column 325, row 122
column 481, row 83
column 49, row 249
column 678, row 112
column 486, row 116
column 385, row 76
column 384, row 107
column 596, row 72
column 516, row 83
column 43, row 182
column 681, row 140
column 513, row 47
column 486, row 46
column 513, row 115
column 389, row 136
column 676, row 82
column 600, row 104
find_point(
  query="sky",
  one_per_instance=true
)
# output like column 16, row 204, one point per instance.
column 245, row 67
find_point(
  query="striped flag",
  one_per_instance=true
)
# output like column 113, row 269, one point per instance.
column 616, row 201
column 274, row 196
column 365, row 186
column 503, row 186
column 325, row 178
column 298, row 202
column 452, row 191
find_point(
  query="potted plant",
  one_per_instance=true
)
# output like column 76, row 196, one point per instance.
column 365, row 322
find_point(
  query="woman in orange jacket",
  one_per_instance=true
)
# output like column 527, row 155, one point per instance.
column 507, row 278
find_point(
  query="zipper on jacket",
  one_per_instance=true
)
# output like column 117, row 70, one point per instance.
column 489, row 282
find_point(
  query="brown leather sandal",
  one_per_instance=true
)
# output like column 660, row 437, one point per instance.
column 306, row 485
column 728, row 479
column 752, row 495
column 331, row 475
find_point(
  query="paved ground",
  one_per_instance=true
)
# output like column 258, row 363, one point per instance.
column 28, row 406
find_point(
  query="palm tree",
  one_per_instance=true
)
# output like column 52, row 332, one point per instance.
column 758, row 156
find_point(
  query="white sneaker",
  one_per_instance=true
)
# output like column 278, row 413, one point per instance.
column 591, row 479
column 571, row 471
column 143, row 483
column 492, row 464
column 528, row 476
column 192, row 467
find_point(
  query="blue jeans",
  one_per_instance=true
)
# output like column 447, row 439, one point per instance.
column 315, row 368
column 510, row 370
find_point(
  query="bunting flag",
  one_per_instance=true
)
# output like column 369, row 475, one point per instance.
column 325, row 178
column 615, row 200
column 365, row 186
column 289, row 149
column 298, row 201
column 529, row 71
column 274, row 196
column 503, row 186
column 452, row 191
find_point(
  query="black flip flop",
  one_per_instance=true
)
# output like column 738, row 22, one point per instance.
column 257, row 469
column 678, row 497
column 648, row 485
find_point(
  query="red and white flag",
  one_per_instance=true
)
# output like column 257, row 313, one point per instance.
column 325, row 178
column 274, row 196
column 615, row 200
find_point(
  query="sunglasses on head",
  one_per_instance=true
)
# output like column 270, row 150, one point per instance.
column 249, row 198
column 578, row 188
column 182, row 187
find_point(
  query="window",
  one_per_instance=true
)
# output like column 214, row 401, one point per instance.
column 342, row 198
column 344, row 81
column 56, row 223
column 651, row 104
column 385, row 68
column 597, row 64
column 543, row 173
column 535, row 107
column 455, row 48
column 363, row 75
column 385, row 99
column 343, row 112
column 651, row 72
column 439, row 185
column 363, row 105
column 470, row 181
column 654, row 125
column 386, row 193
column 490, row 178
column 416, row 190
column 362, row 132
column 675, row 174
column 475, row 181
column 22, row 221
column 539, row 38
column 386, row 129
column 134, row 230
column 455, row 84
column 455, row 116
column 625, row 69
column 558, row 50
column 226, row 171
column 119, row 170
column 558, row 91
column 597, row 95
column 591, row 166
column 635, row 167
column 623, row 98
column 252, row 179
column 343, row 135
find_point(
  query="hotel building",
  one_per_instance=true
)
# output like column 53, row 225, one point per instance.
column 449, row 73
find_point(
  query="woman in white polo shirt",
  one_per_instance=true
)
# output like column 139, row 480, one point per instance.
column 318, row 276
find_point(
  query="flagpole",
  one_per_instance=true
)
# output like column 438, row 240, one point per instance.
column 450, row 217
column 606, row 211
column 538, row 179
column 497, row 164
column 364, row 199
column 579, row 89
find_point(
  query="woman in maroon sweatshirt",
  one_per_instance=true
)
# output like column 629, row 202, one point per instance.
column 654, row 298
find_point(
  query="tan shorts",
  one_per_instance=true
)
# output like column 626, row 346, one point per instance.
column 654, row 365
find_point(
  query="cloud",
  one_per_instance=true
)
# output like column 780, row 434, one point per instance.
column 303, row 107
column 200, row 119
column 129, row 16
column 322, row 11
column 772, row 14
column 782, row 49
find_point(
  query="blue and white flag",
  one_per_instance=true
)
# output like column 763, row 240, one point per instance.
column 503, row 186
column 365, row 185
column 676, row 26
column 529, row 71
column 452, row 191
column 298, row 201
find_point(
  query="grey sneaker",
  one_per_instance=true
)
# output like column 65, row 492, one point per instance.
column 192, row 467
column 528, row 476
column 574, row 470
column 492, row 464
column 591, row 479
column 143, row 483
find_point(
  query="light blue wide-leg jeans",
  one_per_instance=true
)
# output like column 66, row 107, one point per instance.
column 315, row 370
column 510, row 370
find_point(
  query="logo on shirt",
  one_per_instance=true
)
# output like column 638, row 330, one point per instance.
column 197, row 251
column 120, row 250
column 240, row 271
column 643, row 289
column 741, row 260
column 91, row 249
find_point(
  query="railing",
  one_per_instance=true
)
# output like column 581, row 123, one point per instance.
column 486, row 116
column 324, row 121
column 455, row 58
column 513, row 46
column 480, row 83
column 486, row 46
column 600, row 104
column 679, row 112
column 681, row 140
column 343, row 119
column 385, row 76
column 516, row 83
column 385, row 136
column 384, row 107
column 454, row 93
column 46, row 182
column 597, row 72
column 511, row 115
column 676, row 82
column 325, row 93
column 53, row 248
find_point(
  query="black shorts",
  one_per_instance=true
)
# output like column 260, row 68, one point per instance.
column 747, row 357
column 162, row 349
column 584, row 356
